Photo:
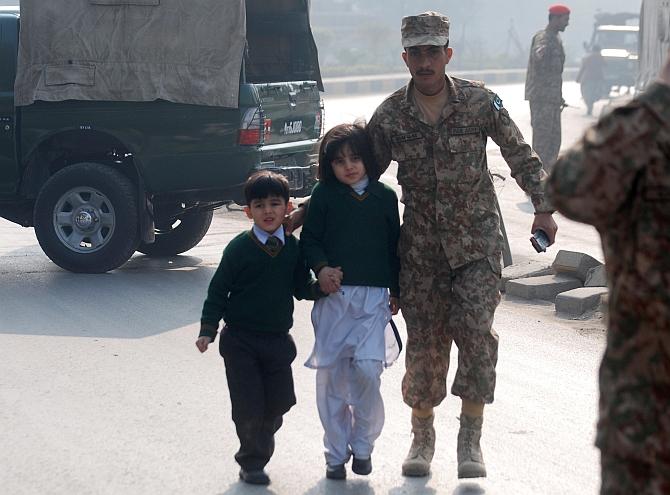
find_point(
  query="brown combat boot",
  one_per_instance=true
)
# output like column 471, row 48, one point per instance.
column 469, row 453
column 417, row 462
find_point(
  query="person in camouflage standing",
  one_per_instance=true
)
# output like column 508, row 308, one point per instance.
column 544, row 82
column 450, row 244
column 617, row 178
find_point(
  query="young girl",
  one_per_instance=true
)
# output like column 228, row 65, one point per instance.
column 351, row 231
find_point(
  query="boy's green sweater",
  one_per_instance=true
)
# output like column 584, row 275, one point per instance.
column 356, row 232
column 253, row 290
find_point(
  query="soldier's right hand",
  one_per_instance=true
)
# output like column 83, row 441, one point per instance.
column 294, row 219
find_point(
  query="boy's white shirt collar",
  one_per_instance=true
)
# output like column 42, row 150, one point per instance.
column 360, row 186
column 263, row 236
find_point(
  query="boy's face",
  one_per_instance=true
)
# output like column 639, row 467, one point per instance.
column 268, row 213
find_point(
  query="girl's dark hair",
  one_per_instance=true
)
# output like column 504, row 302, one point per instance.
column 354, row 136
column 266, row 183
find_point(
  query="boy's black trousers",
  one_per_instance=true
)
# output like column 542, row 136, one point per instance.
column 260, row 382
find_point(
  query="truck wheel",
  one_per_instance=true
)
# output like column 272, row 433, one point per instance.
column 180, row 236
column 86, row 218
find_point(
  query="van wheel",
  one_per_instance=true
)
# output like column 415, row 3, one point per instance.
column 180, row 235
column 86, row 218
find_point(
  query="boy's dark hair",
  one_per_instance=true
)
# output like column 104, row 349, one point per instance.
column 354, row 136
column 266, row 183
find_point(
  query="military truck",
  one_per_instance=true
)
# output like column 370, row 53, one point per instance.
column 124, row 123
column 654, row 39
column 617, row 36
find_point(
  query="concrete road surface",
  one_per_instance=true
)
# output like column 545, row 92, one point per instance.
column 103, row 392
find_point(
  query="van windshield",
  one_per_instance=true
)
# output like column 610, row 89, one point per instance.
column 621, row 40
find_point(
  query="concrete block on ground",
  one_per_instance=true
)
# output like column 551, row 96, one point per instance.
column 596, row 277
column 578, row 301
column 545, row 287
column 526, row 269
column 574, row 264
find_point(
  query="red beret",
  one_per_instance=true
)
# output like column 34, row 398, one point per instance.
column 559, row 9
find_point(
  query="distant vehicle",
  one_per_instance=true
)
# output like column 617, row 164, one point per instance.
column 654, row 39
column 617, row 35
column 101, row 168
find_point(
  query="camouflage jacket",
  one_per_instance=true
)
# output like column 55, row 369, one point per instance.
column 544, row 77
column 446, row 185
column 617, row 178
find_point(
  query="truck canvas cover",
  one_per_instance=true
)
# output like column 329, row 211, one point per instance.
column 183, row 51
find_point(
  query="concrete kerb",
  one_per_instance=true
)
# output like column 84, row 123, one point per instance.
column 578, row 301
column 574, row 264
column 387, row 83
column 527, row 269
column 564, row 286
column 546, row 287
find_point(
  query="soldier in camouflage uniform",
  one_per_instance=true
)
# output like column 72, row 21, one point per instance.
column 436, row 128
column 544, row 82
column 618, row 179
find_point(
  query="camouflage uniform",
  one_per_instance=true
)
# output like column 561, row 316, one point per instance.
column 544, row 82
column 618, row 179
column 450, row 241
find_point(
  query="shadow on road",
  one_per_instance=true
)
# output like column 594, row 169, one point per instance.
column 146, row 296
column 240, row 488
column 414, row 485
column 469, row 488
column 338, row 487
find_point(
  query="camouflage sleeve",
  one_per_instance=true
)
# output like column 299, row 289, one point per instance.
column 381, row 143
column 524, row 163
column 591, row 181
column 539, row 46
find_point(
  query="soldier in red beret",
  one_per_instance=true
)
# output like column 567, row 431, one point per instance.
column 559, row 9
column 544, row 82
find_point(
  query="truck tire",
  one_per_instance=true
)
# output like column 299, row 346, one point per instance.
column 86, row 218
column 179, row 237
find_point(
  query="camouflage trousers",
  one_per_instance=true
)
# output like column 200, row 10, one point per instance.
column 634, row 439
column 440, row 304
column 545, row 119
column 627, row 477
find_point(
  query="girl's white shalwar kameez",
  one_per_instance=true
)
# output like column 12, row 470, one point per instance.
column 349, row 355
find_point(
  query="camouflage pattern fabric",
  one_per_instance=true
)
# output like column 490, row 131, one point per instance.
column 545, row 119
column 450, row 222
column 544, row 91
column 440, row 304
column 617, row 178
column 544, row 76
column 429, row 28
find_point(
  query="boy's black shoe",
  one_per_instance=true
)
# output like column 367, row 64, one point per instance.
column 361, row 466
column 258, row 477
column 336, row 472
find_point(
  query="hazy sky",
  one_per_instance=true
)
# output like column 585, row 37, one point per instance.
column 484, row 23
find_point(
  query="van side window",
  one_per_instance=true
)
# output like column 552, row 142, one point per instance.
column 8, row 48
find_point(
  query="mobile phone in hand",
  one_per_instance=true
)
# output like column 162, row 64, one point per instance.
column 540, row 241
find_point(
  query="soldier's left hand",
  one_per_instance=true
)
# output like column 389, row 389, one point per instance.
column 545, row 221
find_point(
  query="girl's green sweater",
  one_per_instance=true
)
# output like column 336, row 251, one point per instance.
column 358, row 233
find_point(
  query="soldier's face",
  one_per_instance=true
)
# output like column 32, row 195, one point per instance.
column 426, row 63
column 562, row 22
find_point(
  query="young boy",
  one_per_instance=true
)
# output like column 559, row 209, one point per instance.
column 252, row 290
